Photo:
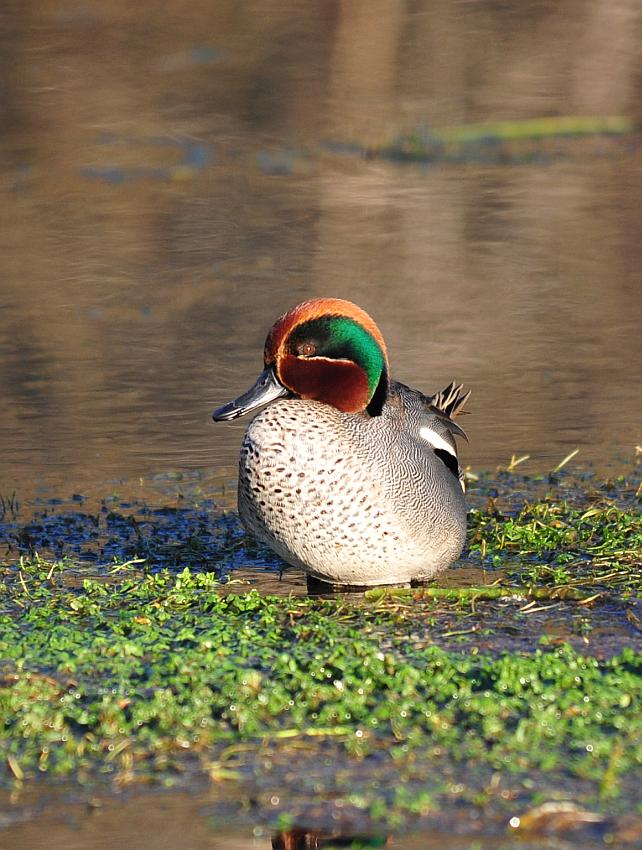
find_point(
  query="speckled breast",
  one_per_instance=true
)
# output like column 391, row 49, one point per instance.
column 351, row 499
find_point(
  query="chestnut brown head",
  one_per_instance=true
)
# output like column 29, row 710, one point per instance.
column 326, row 349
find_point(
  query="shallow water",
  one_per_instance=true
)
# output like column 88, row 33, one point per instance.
column 191, row 816
column 170, row 184
column 169, row 189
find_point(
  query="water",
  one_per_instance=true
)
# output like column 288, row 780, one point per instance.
column 171, row 183
column 168, row 191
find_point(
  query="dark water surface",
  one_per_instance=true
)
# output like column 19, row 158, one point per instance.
column 173, row 177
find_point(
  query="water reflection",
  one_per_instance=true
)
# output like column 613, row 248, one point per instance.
column 302, row 839
column 167, row 190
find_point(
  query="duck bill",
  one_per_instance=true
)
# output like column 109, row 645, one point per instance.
column 266, row 389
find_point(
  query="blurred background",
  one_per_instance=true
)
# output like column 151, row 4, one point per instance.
column 174, row 176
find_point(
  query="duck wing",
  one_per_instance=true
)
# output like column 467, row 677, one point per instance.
column 435, row 424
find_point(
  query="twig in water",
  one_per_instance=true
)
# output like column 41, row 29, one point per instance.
column 566, row 460
column 515, row 462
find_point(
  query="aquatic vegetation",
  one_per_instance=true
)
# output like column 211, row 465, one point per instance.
column 533, row 668
column 112, row 674
column 595, row 544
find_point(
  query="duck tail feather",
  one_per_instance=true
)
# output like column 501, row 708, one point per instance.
column 451, row 399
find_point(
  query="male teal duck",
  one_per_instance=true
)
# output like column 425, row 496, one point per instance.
column 347, row 474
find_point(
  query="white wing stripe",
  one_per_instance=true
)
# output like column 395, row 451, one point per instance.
column 436, row 441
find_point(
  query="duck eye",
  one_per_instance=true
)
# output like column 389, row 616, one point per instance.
column 306, row 349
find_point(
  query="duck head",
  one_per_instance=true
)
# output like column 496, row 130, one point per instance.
column 326, row 349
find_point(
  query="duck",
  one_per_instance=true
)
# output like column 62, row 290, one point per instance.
column 345, row 473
